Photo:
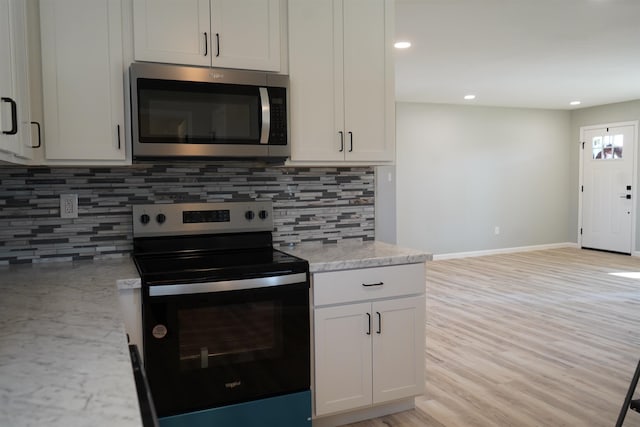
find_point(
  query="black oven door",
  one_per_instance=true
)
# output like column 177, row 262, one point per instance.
column 204, row 350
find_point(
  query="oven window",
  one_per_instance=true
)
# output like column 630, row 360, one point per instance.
column 196, row 113
column 234, row 333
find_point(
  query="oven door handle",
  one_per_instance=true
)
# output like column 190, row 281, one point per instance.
column 227, row 285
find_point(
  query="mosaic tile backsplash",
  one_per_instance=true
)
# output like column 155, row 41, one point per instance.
column 322, row 205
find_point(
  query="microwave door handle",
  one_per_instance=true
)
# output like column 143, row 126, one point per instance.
column 266, row 115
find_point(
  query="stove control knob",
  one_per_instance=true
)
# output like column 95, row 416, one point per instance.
column 263, row 214
column 249, row 215
column 144, row 218
column 161, row 218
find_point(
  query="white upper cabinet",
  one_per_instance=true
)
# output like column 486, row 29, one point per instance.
column 83, row 80
column 341, row 80
column 246, row 34
column 15, row 132
column 365, row 81
column 172, row 31
column 241, row 34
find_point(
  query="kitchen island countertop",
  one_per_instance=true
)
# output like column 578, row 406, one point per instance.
column 64, row 359
column 351, row 255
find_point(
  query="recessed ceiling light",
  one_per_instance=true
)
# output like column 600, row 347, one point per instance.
column 469, row 97
column 574, row 103
column 402, row 45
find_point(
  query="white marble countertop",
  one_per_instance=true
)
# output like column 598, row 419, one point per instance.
column 64, row 359
column 350, row 255
column 63, row 352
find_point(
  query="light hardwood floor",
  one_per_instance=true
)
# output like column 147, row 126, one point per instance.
column 545, row 338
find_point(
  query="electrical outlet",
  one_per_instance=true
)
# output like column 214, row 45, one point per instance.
column 496, row 230
column 68, row 206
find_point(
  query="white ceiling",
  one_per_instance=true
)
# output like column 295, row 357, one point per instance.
column 519, row 53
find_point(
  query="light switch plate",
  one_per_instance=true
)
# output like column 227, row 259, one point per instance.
column 68, row 206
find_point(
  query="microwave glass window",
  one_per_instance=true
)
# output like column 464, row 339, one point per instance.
column 167, row 121
column 233, row 333
column 187, row 112
column 235, row 118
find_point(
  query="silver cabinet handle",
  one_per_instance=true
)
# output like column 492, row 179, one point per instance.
column 217, row 45
column 206, row 44
column 350, row 141
column 379, row 331
column 341, row 141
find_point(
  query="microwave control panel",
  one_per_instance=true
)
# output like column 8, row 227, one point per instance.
column 278, row 104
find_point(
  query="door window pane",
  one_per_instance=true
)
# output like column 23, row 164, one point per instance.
column 607, row 147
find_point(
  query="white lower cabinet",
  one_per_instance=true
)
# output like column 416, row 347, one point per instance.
column 369, row 352
column 343, row 358
column 398, row 348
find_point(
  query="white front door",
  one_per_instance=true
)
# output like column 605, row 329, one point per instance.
column 608, row 190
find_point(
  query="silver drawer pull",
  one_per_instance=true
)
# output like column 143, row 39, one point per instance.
column 373, row 284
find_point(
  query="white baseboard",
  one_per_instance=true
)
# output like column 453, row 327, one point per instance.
column 505, row 251
column 635, row 253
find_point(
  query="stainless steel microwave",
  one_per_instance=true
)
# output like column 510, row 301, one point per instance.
column 194, row 112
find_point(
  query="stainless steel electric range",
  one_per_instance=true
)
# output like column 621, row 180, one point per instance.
column 225, row 316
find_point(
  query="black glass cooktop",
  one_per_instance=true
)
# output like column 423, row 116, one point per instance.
column 208, row 258
column 156, row 269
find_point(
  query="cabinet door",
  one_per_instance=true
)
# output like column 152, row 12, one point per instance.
column 342, row 357
column 9, row 138
column 172, row 31
column 246, row 34
column 398, row 348
column 365, row 81
column 82, row 72
column 15, row 133
column 315, row 73
column 342, row 99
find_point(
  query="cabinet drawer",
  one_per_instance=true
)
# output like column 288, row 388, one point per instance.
column 337, row 287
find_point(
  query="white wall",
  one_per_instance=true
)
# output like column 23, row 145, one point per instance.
column 461, row 171
column 385, row 204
